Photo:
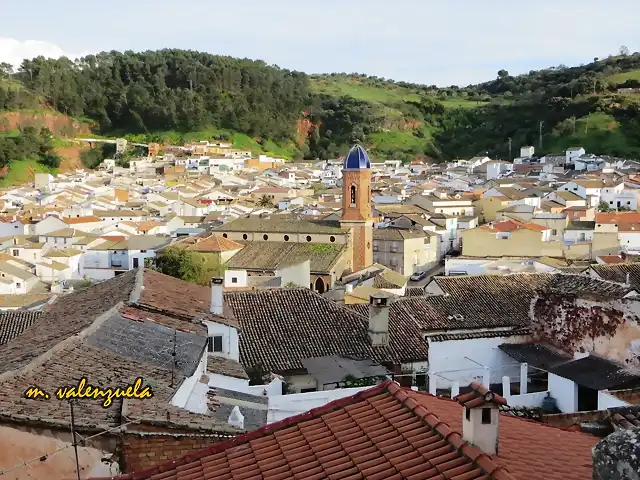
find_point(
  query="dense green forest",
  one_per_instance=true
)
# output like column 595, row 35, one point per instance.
column 29, row 144
column 172, row 95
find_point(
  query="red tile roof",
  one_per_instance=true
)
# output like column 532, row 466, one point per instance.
column 612, row 259
column 479, row 396
column 386, row 432
column 87, row 219
column 620, row 217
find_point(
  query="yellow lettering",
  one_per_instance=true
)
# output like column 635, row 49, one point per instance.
column 35, row 392
column 81, row 384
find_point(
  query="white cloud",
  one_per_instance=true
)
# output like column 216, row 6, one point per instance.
column 14, row 51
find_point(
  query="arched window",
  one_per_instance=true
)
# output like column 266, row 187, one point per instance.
column 353, row 195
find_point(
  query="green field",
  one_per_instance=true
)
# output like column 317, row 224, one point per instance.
column 20, row 172
column 386, row 94
column 619, row 78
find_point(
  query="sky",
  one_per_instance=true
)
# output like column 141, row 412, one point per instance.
column 424, row 41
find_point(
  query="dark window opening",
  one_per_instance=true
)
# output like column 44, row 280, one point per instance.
column 332, row 239
column 308, row 238
column 244, row 237
column 214, row 344
column 467, row 413
column 286, row 238
column 224, row 235
column 234, row 279
column 265, row 237
column 486, row 416
column 353, row 195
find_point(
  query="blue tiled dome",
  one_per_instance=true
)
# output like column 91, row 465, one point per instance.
column 357, row 159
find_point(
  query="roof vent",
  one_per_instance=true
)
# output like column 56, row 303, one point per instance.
column 457, row 316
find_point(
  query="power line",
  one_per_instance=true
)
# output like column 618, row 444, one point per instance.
column 44, row 457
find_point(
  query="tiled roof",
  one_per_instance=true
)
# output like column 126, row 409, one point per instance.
column 397, row 234
column 226, row 366
column 479, row 396
column 618, row 273
column 180, row 299
column 66, row 317
column 280, row 328
column 87, row 219
column 275, row 255
column 443, row 337
column 386, row 432
column 276, row 225
column 13, row 323
column 389, row 279
column 210, row 244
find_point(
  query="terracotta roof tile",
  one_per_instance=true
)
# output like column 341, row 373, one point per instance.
column 378, row 434
column 179, row 299
column 281, row 328
column 479, row 396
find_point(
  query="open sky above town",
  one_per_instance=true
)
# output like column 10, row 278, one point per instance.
column 424, row 41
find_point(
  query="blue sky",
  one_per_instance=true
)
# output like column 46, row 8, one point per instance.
column 425, row 41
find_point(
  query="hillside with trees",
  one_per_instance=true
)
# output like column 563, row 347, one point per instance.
column 172, row 96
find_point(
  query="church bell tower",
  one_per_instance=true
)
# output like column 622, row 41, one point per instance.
column 356, row 205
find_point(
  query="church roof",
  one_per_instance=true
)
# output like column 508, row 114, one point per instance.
column 357, row 159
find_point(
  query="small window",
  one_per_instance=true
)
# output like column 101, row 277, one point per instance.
column 18, row 285
column 214, row 344
column 467, row 413
column 308, row 238
column 143, row 251
column 245, row 236
column 628, row 203
column 486, row 416
column 234, row 279
column 265, row 237
column 224, row 235
column 16, row 253
column 15, row 226
column 554, row 232
column 333, row 239
column 286, row 238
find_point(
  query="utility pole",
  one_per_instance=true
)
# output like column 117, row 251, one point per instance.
column 540, row 132
column 509, row 148
column 191, row 85
column 73, row 437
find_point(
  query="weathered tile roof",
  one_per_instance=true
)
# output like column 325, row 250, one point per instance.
column 183, row 300
column 386, row 432
column 397, row 234
column 67, row 316
column 619, row 272
column 226, row 366
column 280, row 328
column 274, row 255
column 13, row 323
column 276, row 225
column 210, row 244
column 535, row 354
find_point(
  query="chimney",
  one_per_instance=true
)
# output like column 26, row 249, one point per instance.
column 348, row 288
column 236, row 419
column 379, row 304
column 481, row 417
column 216, row 296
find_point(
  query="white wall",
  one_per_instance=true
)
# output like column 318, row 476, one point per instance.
column 565, row 392
column 181, row 397
column 274, row 388
column 240, row 276
column 606, row 400
column 526, row 399
column 284, row 406
column 230, row 383
column 454, row 359
column 230, row 348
